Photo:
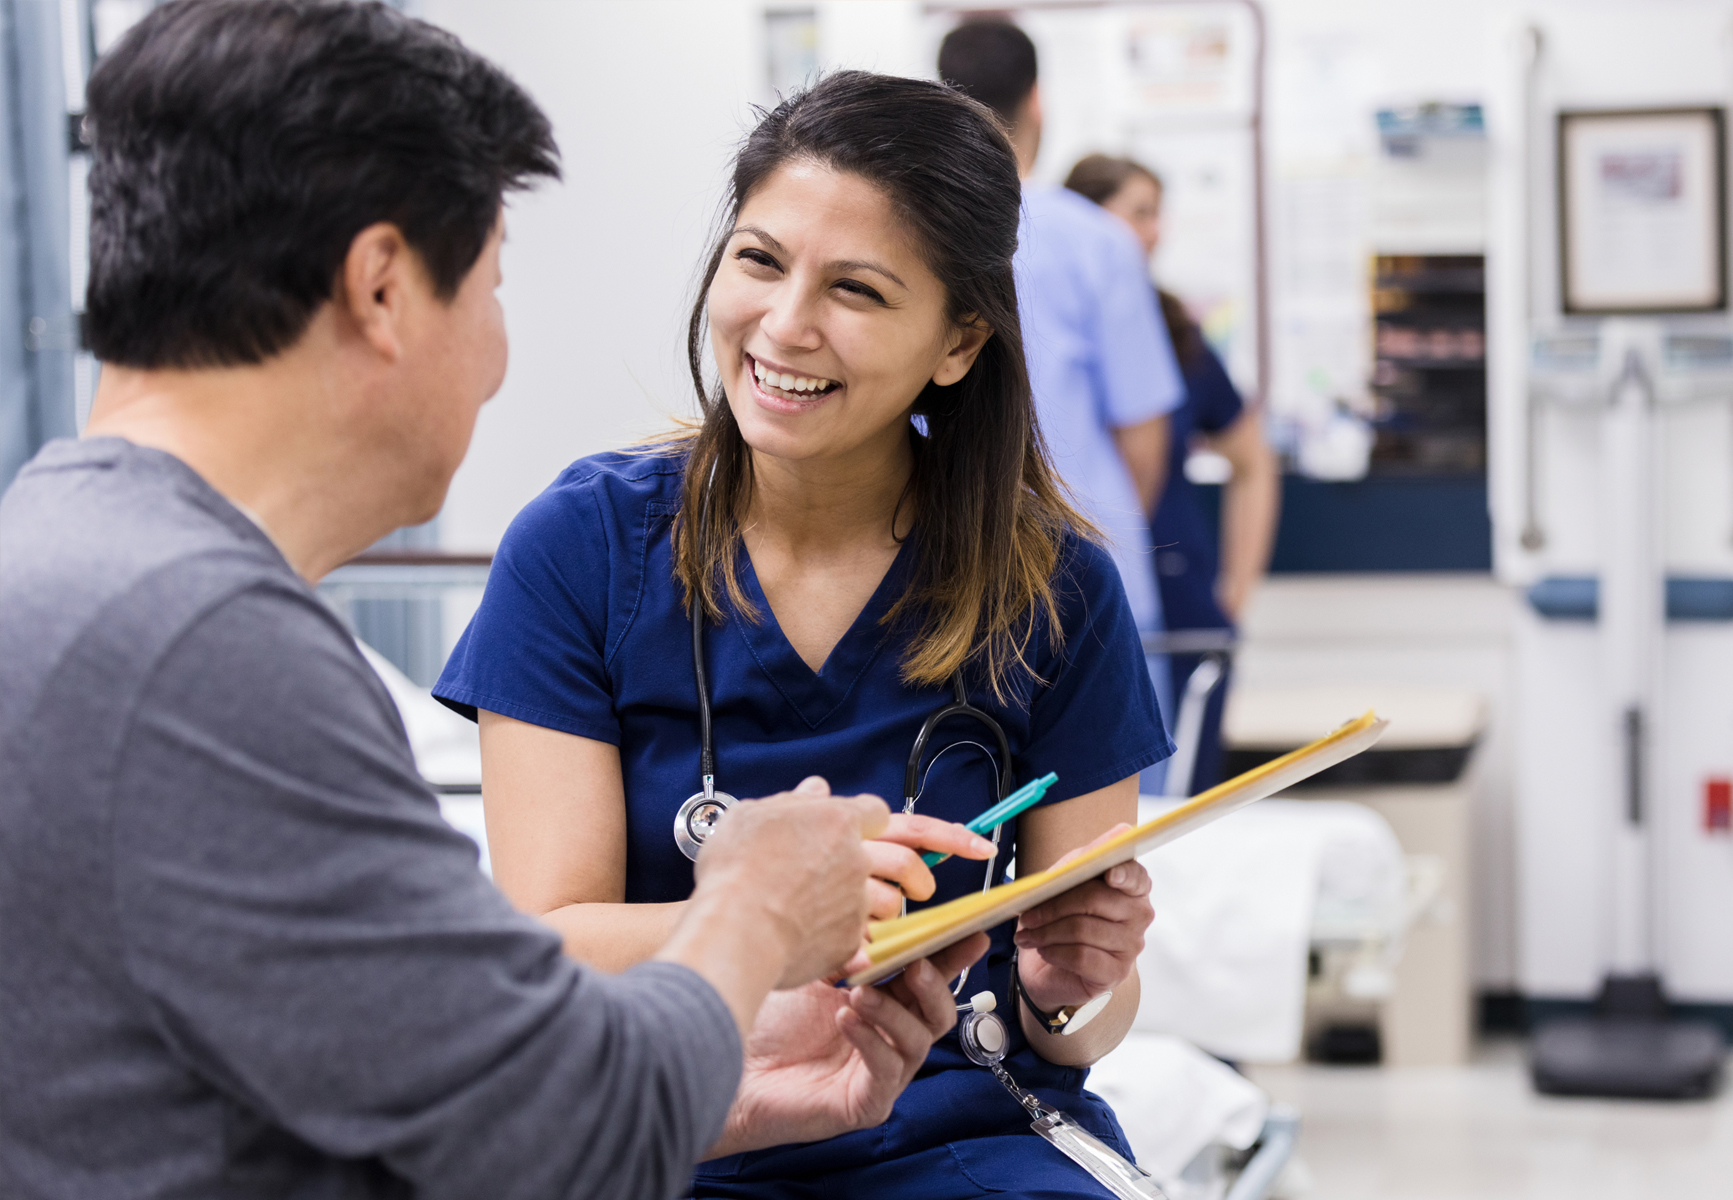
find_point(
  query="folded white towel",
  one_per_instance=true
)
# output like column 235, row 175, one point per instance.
column 1175, row 1103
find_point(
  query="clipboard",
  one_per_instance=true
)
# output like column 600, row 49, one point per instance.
column 894, row 944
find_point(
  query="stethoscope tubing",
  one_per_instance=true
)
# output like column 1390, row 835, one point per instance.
column 706, row 731
column 958, row 707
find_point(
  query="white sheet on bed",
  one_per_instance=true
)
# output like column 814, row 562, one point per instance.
column 1175, row 1102
column 1224, row 963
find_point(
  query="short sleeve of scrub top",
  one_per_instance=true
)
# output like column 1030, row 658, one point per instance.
column 1140, row 375
column 537, row 648
column 583, row 628
column 1210, row 393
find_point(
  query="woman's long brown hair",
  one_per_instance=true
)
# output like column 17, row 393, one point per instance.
column 991, row 519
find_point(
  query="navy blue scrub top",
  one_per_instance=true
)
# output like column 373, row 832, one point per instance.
column 583, row 628
column 1187, row 559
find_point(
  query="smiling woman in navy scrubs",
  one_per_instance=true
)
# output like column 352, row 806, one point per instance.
column 881, row 517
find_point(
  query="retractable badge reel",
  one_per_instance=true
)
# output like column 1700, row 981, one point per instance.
column 985, row 1040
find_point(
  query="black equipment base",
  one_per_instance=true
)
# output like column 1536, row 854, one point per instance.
column 1630, row 1048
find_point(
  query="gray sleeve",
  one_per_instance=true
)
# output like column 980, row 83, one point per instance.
column 319, row 945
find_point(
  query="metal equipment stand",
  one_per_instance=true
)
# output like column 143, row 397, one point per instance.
column 1631, row 1046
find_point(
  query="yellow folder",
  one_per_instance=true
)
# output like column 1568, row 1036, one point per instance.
column 894, row 944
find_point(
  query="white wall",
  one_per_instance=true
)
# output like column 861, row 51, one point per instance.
column 647, row 102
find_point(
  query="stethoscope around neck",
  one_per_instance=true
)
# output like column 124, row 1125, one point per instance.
column 982, row 1032
column 697, row 816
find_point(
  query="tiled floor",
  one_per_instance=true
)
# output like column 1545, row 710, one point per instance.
column 1481, row 1133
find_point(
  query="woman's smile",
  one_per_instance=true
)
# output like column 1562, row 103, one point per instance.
column 784, row 390
column 826, row 321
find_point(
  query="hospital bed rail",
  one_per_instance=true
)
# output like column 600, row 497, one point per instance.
column 1270, row 1154
column 404, row 575
column 1216, row 648
column 395, row 600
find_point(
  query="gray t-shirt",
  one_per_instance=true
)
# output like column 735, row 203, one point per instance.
column 240, row 952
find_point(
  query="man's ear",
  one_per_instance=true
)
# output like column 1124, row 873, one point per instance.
column 967, row 338
column 380, row 274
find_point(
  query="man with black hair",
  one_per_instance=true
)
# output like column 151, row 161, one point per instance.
column 1100, row 361
column 240, row 953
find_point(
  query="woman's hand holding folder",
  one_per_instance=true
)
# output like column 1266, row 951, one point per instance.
column 1084, row 942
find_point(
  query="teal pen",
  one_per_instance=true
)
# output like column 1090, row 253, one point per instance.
column 1025, row 796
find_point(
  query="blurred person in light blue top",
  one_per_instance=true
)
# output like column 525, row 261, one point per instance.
column 1100, row 362
column 1205, row 579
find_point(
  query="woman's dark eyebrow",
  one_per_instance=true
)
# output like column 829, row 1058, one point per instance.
column 844, row 265
column 857, row 265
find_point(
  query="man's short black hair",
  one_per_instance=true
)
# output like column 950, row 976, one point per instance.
column 992, row 61
column 240, row 145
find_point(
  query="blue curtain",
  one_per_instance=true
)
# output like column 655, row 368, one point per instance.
column 38, row 329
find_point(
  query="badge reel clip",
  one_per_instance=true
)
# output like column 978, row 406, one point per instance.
column 985, row 1040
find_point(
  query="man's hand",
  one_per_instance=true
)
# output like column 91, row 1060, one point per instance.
column 780, row 897
column 822, row 1061
column 1085, row 941
column 796, row 865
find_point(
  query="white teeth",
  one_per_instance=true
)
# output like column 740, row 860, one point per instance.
column 788, row 383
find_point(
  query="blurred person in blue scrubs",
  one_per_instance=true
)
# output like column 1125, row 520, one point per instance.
column 1201, row 587
column 865, row 524
column 1100, row 362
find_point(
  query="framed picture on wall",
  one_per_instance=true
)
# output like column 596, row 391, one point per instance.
column 1643, row 210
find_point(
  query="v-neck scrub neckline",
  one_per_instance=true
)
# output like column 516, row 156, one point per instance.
column 815, row 695
column 583, row 629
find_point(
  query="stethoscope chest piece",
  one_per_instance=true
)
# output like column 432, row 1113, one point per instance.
column 697, row 818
